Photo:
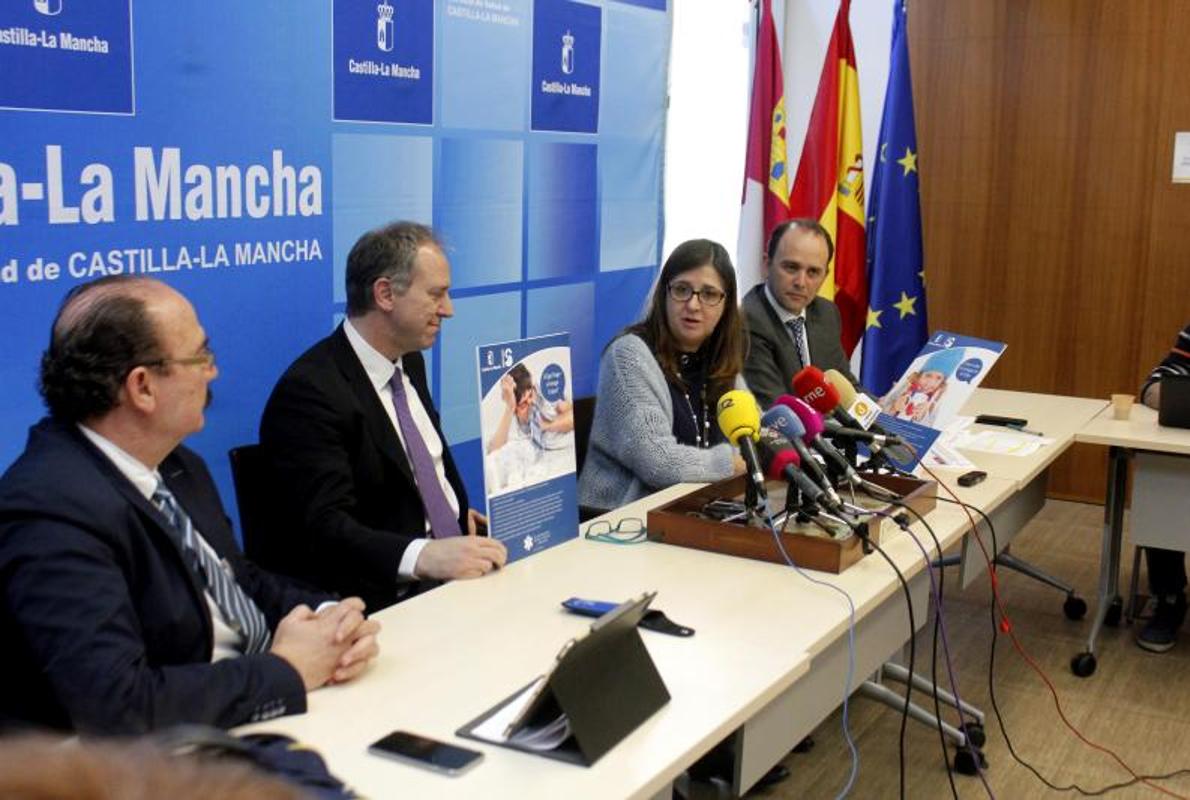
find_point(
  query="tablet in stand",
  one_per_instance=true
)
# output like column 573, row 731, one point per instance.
column 602, row 686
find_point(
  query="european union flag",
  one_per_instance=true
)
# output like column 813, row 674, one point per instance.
column 896, row 326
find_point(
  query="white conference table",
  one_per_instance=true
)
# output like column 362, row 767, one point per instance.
column 1160, row 508
column 881, row 632
column 768, row 660
column 450, row 654
column 1059, row 418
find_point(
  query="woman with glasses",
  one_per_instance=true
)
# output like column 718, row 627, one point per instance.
column 660, row 380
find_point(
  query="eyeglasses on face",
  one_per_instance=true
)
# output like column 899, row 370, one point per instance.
column 707, row 295
column 204, row 358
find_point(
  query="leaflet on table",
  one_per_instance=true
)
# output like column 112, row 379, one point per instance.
column 918, row 440
column 940, row 379
column 1001, row 441
column 527, row 430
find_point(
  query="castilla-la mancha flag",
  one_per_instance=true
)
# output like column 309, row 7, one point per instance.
column 766, row 176
column 829, row 185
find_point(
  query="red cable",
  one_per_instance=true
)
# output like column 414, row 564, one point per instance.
column 1007, row 628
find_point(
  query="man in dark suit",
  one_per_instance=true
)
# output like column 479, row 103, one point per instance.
column 124, row 603
column 789, row 326
column 352, row 436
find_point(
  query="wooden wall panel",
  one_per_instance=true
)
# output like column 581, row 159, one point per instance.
column 1167, row 289
column 1045, row 131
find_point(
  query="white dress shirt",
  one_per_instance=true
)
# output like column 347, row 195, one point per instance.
column 380, row 371
column 226, row 642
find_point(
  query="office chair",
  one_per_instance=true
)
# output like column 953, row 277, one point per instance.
column 254, row 498
column 584, row 415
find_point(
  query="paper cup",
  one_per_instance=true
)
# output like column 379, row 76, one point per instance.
column 1121, row 406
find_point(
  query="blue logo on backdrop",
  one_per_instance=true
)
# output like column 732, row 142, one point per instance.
column 566, row 43
column 384, row 60
column 67, row 55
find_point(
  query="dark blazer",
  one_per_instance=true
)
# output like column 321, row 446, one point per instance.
column 350, row 505
column 772, row 362
column 104, row 628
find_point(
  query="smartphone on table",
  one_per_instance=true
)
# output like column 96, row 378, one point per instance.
column 422, row 751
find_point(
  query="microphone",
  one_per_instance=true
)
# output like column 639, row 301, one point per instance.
column 781, row 462
column 847, row 394
column 781, row 419
column 739, row 419
column 836, row 431
column 812, row 421
column 814, row 388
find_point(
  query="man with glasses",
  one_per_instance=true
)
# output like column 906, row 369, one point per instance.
column 124, row 603
column 374, row 503
column 789, row 325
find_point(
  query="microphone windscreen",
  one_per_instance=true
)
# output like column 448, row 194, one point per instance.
column 810, row 418
column 811, row 386
column 781, row 460
column 738, row 415
column 806, row 379
column 842, row 386
column 782, row 419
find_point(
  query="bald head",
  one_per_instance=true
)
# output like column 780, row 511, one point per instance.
column 103, row 330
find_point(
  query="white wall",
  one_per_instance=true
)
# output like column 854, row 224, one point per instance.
column 707, row 123
column 710, row 84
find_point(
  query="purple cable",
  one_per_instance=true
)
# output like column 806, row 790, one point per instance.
column 954, row 685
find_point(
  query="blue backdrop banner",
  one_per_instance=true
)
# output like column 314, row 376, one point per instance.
column 238, row 150
column 75, row 61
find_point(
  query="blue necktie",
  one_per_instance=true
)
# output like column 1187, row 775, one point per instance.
column 239, row 610
column 441, row 516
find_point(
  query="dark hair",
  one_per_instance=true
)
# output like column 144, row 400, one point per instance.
column 521, row 379
column 44, row 767
column 724, row 348
column 101, row 333
column 806, row 224
column 387, row 252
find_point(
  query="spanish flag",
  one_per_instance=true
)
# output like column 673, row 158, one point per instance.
column 829, row 185
column 766, row 178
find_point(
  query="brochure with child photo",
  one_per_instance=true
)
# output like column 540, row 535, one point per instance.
column 527, row 434
column 938, row 382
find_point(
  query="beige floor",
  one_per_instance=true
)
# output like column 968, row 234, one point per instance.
column 1136, row 703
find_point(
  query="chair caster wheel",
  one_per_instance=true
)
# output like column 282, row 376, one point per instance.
column 1075, row 607
column 1083, row 665
column 965, row 761
column 975, row 734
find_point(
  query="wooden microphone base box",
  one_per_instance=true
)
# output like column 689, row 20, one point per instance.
column 686, row 522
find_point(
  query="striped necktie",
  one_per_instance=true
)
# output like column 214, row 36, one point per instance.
column 240, row 612
column 797, row 329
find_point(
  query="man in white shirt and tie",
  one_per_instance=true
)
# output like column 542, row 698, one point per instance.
column 377, row 507
column 125, row 604
column 789, row 325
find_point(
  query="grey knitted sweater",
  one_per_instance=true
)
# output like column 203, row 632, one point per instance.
column 632, row 451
